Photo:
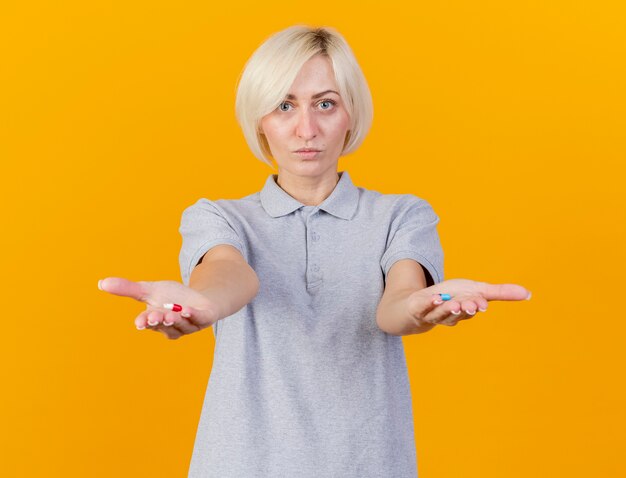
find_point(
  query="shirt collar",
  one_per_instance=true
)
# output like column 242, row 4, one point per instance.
column 342, row 202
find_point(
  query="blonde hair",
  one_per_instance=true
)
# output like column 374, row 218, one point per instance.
column 272, row 69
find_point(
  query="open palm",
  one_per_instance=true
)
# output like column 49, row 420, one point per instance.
column 467, row 298
column 198, row 311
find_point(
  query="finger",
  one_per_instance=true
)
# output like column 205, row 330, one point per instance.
column 170, row 318
column 185, row 326
column 440, row 298
column 181, row 324
column 454, row 317
column 141, row 322
column 155, row 317
column 199, row 318
column 482, row 304
column 169, row 332
column 469, row 307
column 420, row 304
column 178, row 323
column 124, row 287
column 451, row 321
column 504, row 292
column 451, row 309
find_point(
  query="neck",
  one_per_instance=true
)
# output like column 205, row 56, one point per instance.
column 309, row 191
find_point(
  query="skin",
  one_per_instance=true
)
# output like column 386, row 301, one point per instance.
column 469, row 297
column 304, row 122
column 320, row 123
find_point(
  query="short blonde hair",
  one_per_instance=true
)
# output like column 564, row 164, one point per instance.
column 271, row 70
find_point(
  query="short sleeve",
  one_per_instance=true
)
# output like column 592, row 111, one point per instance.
column 413, row 235
column 204, row 225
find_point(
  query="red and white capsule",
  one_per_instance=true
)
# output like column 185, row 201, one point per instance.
column 174, row 307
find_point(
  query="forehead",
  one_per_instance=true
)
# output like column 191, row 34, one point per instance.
column 315, row 77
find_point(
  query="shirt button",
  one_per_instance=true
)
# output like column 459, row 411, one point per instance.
column 315, row 236
column 316, row 267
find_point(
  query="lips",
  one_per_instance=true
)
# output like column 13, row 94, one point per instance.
column 307, row 153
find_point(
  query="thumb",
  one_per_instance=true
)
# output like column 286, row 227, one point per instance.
column 200, row 317
column 124, row 287
column 420, row 303
column 505, row 292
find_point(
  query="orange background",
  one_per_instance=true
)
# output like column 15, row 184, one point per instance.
column 508, row 118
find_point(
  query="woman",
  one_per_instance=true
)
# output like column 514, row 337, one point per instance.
column 317, row 279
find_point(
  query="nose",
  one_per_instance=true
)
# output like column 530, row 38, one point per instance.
column 306, row 127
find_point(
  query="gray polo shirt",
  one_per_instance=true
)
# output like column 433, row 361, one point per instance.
column 304, row 383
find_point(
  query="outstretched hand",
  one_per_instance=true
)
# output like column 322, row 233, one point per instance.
column 467, row 298
column 198, row 311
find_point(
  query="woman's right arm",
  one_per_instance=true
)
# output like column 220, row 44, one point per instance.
column 220, row 285
column 226, row 279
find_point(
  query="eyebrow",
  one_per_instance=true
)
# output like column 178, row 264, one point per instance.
column 292, row 97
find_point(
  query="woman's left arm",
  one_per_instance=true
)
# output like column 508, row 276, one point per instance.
column 408, row 307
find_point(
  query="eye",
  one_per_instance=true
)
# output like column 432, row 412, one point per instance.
column 280, row 106
column 329, row 102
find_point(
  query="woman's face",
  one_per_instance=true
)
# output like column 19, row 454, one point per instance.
column 312, row 116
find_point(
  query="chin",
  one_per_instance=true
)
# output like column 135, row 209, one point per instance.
column 308, row 168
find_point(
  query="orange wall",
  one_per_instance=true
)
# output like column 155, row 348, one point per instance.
column 508, row 118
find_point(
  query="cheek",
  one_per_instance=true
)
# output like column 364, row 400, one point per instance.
column 342, row 120
column 340, row 127
column 274, row 130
